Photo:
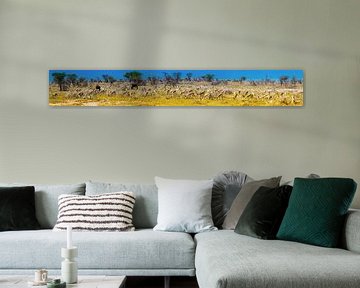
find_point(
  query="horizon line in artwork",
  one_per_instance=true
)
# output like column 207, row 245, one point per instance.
column 176, row 87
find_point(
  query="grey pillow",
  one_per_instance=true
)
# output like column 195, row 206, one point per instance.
column 46, row 200
column 146, row 204
column 310, row 176
column 243, row 198
column 226, row 187
column 184, row 205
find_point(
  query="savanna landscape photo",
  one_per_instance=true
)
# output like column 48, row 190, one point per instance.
column 176, row 88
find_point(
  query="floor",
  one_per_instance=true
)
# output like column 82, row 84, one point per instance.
column 158, row 282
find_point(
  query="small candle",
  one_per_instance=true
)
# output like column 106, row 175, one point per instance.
column 69, row 237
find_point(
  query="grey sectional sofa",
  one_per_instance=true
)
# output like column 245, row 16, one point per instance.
column 226, row 259
column 218, row 259
column 142, row 252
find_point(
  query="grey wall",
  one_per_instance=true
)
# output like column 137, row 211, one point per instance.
column 43, row 144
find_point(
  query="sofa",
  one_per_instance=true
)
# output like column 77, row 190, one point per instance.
column 218, row 258
column 226, row 259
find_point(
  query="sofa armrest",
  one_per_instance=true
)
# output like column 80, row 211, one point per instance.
column 351, row 234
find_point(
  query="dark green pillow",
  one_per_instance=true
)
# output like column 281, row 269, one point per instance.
column 264, row 212
column 17, row 208
column 316, row 211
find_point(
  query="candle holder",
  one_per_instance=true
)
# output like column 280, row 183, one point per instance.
column 69, row 271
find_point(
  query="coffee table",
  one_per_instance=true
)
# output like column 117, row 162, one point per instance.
column 84, row 281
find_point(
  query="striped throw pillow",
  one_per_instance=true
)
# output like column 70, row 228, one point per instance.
column 105, row 212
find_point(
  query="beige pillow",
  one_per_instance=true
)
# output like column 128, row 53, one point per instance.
column 243, row 198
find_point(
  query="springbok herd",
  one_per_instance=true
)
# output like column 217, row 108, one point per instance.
column 230, row 94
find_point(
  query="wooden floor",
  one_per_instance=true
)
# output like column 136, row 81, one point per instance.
column 158, row 282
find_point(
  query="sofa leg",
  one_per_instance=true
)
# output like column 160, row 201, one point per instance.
column 167, row 282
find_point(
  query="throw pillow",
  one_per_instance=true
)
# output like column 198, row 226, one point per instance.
column 226, row 187
column 105, row 212
column 291, row 182
column 46, row 200
column 263, row 215
column 317, row 209
column 17, row 209
column 243, row 198
column 184, row 205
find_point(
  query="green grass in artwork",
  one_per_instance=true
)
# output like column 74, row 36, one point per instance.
column 184, row 93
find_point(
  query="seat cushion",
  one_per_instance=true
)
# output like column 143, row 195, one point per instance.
column 226, row 259
column 144, row 249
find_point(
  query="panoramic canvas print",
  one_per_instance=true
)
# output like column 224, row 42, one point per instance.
column 176, row 87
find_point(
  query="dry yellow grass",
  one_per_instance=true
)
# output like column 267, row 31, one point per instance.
column 183, row 94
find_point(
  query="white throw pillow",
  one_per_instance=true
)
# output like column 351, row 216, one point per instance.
column 184, row 205
column 104, row 212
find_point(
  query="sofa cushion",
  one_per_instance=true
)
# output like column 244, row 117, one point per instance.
column 17, row 208
column 143, row 249
column 317, row 209
column 263, row 215
column 146, row 205
column 184, row 205
column 350, row 239
column 225, row 259
column 105, row 212
column 243, row 198
column 226, row 187
column 46, row 200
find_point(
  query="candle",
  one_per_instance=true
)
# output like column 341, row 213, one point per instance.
column 69, row 237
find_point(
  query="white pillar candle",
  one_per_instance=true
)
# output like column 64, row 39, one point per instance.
column 69, row 237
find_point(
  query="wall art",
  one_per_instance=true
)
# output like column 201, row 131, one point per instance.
column 176, row 87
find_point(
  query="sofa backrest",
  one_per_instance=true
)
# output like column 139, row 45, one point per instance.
column 146, row 203
column 46, row 200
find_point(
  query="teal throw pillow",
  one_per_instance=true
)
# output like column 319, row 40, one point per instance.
column 316, row 211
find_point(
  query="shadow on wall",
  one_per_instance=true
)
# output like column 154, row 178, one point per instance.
column 38, row 36
column 74, row 145
column 68, row 144
column 105, row 142
column 146, row 31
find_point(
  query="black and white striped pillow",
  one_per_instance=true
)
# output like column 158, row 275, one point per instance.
column 105, row 212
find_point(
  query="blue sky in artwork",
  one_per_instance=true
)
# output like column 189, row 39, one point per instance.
column 219, row 74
